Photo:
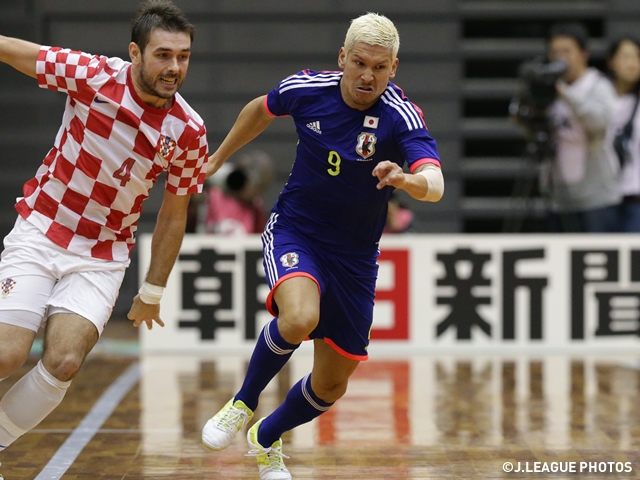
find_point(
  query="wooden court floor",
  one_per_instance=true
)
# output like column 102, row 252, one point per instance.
column 414, row 417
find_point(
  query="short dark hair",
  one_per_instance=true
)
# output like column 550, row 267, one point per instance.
column 154, row 14
column 574, row 30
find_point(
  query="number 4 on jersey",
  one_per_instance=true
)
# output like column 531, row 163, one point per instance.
column 124, row 172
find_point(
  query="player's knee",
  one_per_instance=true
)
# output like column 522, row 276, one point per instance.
column 10, row 362
column 299, row 322
column 63, row 366
column 330, row 391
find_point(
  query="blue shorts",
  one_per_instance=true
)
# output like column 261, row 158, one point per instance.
column 346, row 284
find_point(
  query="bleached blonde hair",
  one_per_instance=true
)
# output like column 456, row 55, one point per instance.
column 373, row 29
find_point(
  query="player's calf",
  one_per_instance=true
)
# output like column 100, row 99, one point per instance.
column 28, row 402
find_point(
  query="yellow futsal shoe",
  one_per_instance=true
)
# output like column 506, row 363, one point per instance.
column 218, row 432
column 270, row 460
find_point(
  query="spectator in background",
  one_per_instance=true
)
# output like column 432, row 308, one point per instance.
column 234, row 204
column 582, row 179
column 399, row 217
column 623, row 60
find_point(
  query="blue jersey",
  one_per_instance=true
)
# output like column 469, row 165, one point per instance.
column 331, row 196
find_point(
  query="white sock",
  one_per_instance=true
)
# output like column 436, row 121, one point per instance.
column 28, row 402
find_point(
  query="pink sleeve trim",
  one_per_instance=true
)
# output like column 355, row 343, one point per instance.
column 424, row 161
column 266, row 108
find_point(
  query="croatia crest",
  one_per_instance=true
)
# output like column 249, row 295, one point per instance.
column 366, row 145
column 6, row 286
column 166, row 146
column 289, row 260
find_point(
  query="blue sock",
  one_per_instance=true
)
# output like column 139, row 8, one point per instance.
column 269, row 356
column 300, row 406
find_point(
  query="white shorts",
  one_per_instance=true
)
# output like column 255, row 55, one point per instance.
column 40, row 277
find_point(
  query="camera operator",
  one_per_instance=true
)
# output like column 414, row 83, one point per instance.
column 623, row 60
column 234, row 204
column 581, row 180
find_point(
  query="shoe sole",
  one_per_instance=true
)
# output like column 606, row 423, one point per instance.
column 210, row 447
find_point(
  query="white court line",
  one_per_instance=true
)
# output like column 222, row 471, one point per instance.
column 91, row 423
column 109, row 430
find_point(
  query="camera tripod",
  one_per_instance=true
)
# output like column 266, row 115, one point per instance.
column 538, row 148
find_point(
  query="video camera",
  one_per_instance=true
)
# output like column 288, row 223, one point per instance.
column 537, row 91
column 229, row 178
column 244, row 177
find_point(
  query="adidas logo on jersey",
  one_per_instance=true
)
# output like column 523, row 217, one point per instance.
column 315, row 126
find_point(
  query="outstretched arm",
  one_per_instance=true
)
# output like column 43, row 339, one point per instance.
column 165, row 245
column 251, row 122
column 20, row 54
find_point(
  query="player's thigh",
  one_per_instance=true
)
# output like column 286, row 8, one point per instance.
column 89, row 294
column 331, row 371
column 293, row 273
column 27, row 277
column 24, row 297
column 15, row 345
column 298, row 304
column 297, row 296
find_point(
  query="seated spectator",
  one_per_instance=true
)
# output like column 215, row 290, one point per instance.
column 399, row 217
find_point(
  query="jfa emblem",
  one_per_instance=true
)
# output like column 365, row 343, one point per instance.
column 6, row 286
column 366, row 145
column 166, row 146
column 289, row 259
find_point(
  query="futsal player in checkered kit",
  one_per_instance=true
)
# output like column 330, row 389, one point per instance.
column 124, row 124
column 356, row 130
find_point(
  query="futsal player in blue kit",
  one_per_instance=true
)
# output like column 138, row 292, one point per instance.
column 356, row 130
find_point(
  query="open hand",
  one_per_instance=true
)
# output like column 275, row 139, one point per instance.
column 143, row 312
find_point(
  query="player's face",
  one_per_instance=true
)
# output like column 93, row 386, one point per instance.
column 162, row 67
column 367, row 70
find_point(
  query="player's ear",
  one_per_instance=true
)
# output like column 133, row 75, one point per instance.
column 394, row 68
column 134, row 53
column 342, row 58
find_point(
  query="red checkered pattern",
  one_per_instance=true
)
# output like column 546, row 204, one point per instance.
column 87, row 195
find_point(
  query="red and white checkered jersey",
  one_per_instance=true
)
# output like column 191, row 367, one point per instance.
column 87, row 195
